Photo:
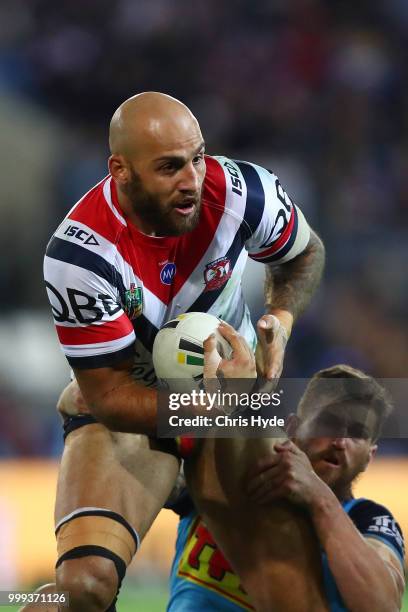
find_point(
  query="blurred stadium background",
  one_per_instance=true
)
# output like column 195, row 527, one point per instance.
column 315, row 90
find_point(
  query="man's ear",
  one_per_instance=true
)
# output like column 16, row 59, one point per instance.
column 118, row 168
column 292, row 425
column 373, row 451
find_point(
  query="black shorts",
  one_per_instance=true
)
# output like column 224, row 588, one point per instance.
column 166, row 445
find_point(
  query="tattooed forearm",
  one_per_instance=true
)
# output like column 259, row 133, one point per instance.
column 291, row 285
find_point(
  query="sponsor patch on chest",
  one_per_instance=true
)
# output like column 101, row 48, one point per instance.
column 167, row 273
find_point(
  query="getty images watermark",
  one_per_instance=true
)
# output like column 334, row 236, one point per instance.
column 227, row 403
column 227, row 408
column 223, row 400
column 202, row 410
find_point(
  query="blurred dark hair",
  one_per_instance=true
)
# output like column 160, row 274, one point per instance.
column 341, row 384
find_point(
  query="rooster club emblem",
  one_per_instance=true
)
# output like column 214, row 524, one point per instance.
column 217, row 273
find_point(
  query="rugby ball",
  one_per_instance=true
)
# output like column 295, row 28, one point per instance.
column 178, row 353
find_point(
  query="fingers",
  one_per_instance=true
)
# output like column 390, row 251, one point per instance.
column 267, row 326
column 71, row 400
column 263, row 464
column 272, row 336
column 288, row 445
column 267, row 485
column 211, row 357
column 237, row 342
column 273, row 474
column 267, row 470
column 240, row 365
column 209, row 344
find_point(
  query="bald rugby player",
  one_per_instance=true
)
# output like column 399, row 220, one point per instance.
column 166, row 232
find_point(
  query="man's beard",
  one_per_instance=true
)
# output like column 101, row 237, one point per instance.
column 163, row 219
column 340, row 481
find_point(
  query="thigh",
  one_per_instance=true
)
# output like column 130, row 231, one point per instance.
column 273, row 549
column 125, row 473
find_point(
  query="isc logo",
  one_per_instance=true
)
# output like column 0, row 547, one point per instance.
column 80, row 234
column 235, row 181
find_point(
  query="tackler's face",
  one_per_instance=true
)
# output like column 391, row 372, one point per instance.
column 166, row 180
column 338, row 440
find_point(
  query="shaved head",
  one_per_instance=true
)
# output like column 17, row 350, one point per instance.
column 157, row 163
column 148, row 119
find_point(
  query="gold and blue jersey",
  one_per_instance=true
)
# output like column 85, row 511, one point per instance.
column 202, row 579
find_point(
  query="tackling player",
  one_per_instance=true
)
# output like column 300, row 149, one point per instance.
column 334, row 435
column 168, row 231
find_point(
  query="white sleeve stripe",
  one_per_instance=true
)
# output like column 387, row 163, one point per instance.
column 301, row 240
column 108, row 198
column 98, row 348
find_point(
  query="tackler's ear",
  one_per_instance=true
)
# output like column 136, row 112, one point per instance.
column 292, row 425
column 373, row 452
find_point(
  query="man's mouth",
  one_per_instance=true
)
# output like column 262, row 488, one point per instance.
column 186, row 207
column 332, row 460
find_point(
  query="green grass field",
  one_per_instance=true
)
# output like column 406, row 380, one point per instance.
column 150, row 599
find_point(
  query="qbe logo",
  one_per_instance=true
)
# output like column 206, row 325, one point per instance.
column 167, row 273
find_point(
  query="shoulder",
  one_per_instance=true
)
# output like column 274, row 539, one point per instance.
column 95, row 213
column 88, row 236
column 246, row 189
column 241, row 177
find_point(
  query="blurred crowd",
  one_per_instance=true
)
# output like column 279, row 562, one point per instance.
column 316, row 90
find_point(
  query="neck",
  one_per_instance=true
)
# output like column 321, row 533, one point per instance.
column 343, row 493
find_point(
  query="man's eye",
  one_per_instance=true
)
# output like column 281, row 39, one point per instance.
column 357, row 431
column 167, row 168
column 198, row 158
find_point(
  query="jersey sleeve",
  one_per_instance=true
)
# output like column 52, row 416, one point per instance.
column 277, row 228
column 85, row 291
column 376, row 521
column 182, row 504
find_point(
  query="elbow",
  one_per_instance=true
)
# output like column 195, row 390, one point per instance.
column 103, row 414
column 316, row 256
column 375, row 602
column 316, row 246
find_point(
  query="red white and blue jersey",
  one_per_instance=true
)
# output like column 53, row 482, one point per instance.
column 111, row 287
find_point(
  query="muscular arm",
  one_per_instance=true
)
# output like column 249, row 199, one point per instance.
column 288, row 290
column 289, row 287
column 366, row 573
column 117, row 401
column 121, row 404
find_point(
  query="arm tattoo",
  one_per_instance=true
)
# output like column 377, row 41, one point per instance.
column 290, row 286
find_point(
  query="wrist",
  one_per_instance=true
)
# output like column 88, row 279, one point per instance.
column 323, row 502
column 285, row 317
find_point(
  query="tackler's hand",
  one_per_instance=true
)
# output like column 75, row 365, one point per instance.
column 71, row 401
column 287, row 474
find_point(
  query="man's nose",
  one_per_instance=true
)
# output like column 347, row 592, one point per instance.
column 339, row 442
column 189, row 178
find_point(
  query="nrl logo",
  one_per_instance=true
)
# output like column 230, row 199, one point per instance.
column 133, row 301
column 217, row 273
